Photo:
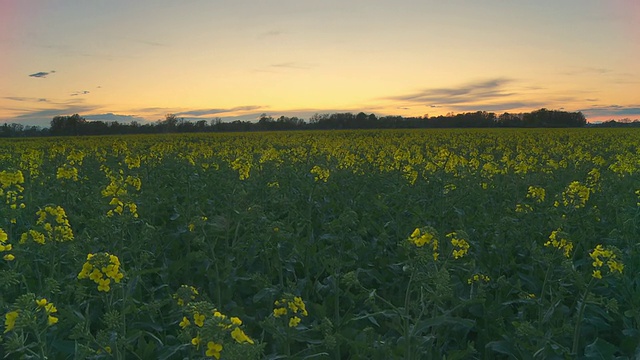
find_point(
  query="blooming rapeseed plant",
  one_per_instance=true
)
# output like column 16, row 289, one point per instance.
column 216, row 330
column 102, row 268
column 213, row 349
column 320, row 173
column 11, row 188
column 602, row 255
column 460, row 245
column 558, row 240
column 185, row 294
column 4, row 246
column 576, row 195
column 10, row 320
column 67, row 172
column 425, row 236
column 536, row 193
column 477, row 278
column 290, row 305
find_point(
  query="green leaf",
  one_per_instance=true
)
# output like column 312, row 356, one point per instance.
column 503, row 347
column 600, row 349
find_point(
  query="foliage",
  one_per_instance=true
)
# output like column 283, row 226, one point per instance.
column 464, row 244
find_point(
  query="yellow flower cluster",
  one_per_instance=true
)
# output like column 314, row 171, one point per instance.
column 185, row 294
column 477, row 278
column 292, row 306
column 536, row 193
column 54, row 226
column 4, row 246
column 524, row 208
column 120, row 208
column 243, row 167
column 49, row 308
column 449, row 188
column 601, row 254
column 102, row 268
column 11, row 188
column 117, row 189
column 132, row 161
column 208, row 326
column 67, row 172
column 320, row 173
column 10, row 320
column 198, row 221
column 576, row 195
column 558, row 240
column 460, row 245
column 425, row 236
column 638, row 195
column 11, row 179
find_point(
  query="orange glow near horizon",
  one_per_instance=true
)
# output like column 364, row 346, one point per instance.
column 408, row 59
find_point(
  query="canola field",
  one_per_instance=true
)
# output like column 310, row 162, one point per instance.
column 429, row 244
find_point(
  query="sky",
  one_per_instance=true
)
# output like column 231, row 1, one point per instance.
column 237, row 59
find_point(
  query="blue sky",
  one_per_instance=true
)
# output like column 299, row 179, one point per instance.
column 140, row 60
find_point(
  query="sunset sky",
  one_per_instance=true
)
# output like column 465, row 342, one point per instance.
column 236, row 59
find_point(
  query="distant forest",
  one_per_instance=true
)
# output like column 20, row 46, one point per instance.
column 75, row 125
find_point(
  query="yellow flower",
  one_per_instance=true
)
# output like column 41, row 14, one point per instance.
column 461, row 246
column 96, row 275
column 277, row 312
column 51, row 320
column 236, row 321
column 103, row 285
column 597, row 274
column 10, row 320
column 9, row 257
column 185, row 322
column 41, row 302
column 477, row 278
column 558, row 240
column 294, row 321
column 213, row 349
column 196, row 341
column 238, row 335
column 300, row 305
column 198, row 319
column 599, row 254
column 50, row 308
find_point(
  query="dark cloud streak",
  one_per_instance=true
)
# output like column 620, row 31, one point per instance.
column 42, row 74
column 208, row 112
column 466, row 94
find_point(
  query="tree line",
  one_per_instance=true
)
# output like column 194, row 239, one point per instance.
column 77, row 125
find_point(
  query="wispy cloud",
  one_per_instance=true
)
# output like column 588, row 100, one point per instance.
column 500, row 106
column 42, row 74
column 464, row 94
column 271, row 33
column 292, row 65
column 613, row 111
column 43, row 117
column 108, row 117
column 587, row 70
column 76, row 93
column 210, row 112
column 25, row 99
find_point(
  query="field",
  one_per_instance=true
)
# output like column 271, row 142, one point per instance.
column 456, row 244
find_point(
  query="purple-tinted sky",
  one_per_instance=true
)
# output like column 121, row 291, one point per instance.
column 142, row 59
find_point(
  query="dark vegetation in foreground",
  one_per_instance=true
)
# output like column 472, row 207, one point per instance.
column 77, row 125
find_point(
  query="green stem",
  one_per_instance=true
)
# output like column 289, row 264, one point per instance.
column 544, row 286
column 406, row 317
column 583, row 305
